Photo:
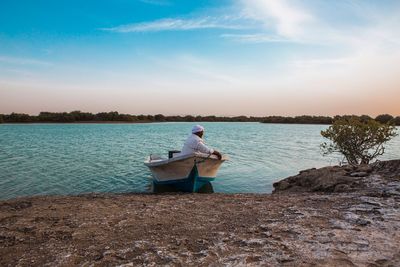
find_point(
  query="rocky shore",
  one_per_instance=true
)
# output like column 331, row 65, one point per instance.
column 333, row 216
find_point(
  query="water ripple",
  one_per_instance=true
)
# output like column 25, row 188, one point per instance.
column 77, row 158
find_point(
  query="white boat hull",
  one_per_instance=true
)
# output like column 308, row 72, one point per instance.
column 180, row 167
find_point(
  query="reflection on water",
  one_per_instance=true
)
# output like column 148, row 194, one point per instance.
column 158, row 188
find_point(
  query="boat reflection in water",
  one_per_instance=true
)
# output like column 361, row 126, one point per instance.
column 184, row 173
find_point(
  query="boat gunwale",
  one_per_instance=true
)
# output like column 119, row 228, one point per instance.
column 182, row 158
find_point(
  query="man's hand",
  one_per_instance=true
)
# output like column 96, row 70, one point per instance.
column 216, row 153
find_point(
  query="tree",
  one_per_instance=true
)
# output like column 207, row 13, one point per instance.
column 1, row 118
column 396, row 121
column 189, row 118
column 19, row 117
column 384, row 118
column 365, row 118
column 159, row 117
column 358, row 140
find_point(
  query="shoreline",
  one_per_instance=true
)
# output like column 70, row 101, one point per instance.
column 115, row 117
column 150, row 122
column 339, row 216
column 81, row 122
column 138, row 122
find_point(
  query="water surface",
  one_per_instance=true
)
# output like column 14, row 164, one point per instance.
column 78, row 158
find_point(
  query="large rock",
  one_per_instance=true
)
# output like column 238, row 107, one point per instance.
column 389, row 168
column 338, row 178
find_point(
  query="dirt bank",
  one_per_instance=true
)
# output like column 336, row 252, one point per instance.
column 358, row 225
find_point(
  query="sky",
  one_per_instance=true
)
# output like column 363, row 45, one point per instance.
column 203, row 57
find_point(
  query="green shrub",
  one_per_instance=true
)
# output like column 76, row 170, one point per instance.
column 384, row 118
column 359, row 140
column 159, row 117
column 396, row 121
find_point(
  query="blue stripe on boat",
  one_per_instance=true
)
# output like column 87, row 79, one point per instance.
column 193, row 183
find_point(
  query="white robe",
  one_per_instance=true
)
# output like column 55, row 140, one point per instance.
column 195, row 144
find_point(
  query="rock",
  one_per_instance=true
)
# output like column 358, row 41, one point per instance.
column 253, row 259
column 365, row 168
column 283, row 185
column 351, row 217
column 340, row 179
column 370, row 201
column 362, row 222
column 349, row 168
column 7, row 240
column 307, row 170
column 267, row 234
column 358, row 174
column 389, row 168
column 325, row 179
column 342, row 188
column 19, row 205
column 336, row 224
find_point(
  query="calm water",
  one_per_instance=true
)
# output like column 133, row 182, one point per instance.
column 78, row 158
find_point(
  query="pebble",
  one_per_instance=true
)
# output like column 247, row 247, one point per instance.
column 358, row 174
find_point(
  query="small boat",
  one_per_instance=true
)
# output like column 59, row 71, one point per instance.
column 187, row 173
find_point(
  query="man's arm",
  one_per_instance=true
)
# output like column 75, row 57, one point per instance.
column 203, row 148
column 216, row 153
column 206, row 150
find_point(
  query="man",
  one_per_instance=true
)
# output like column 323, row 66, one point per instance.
column 195, row 143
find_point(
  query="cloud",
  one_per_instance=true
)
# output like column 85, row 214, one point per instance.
column 255, row 38
column 200, row 69
column 288, row 19
column 319, row 63
column 157, row 2
column 173, row 24
column 24, row 61
column 356, row 25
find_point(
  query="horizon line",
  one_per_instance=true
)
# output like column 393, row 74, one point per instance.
column 209, row 115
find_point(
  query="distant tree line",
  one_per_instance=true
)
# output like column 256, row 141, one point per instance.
column 298, row 119
column 383, row 118
column 114, row 116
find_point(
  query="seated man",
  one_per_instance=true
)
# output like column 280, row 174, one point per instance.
column 195, row 143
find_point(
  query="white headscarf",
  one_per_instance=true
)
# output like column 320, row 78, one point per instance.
column 197, row 129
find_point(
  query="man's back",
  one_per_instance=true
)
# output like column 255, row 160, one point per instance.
column 195, row 144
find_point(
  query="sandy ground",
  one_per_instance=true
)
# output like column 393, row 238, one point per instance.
column 358, row 228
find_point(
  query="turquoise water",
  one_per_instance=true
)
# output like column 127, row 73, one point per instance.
column 78, row 158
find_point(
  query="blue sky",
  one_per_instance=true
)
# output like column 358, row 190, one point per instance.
column 250, row 57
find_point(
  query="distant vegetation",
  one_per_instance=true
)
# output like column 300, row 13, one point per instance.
column 298, row 119
column 358, row 139
column 78, row 116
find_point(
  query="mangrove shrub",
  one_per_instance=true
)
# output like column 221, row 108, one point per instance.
column 384, row 118
column 358, row 140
